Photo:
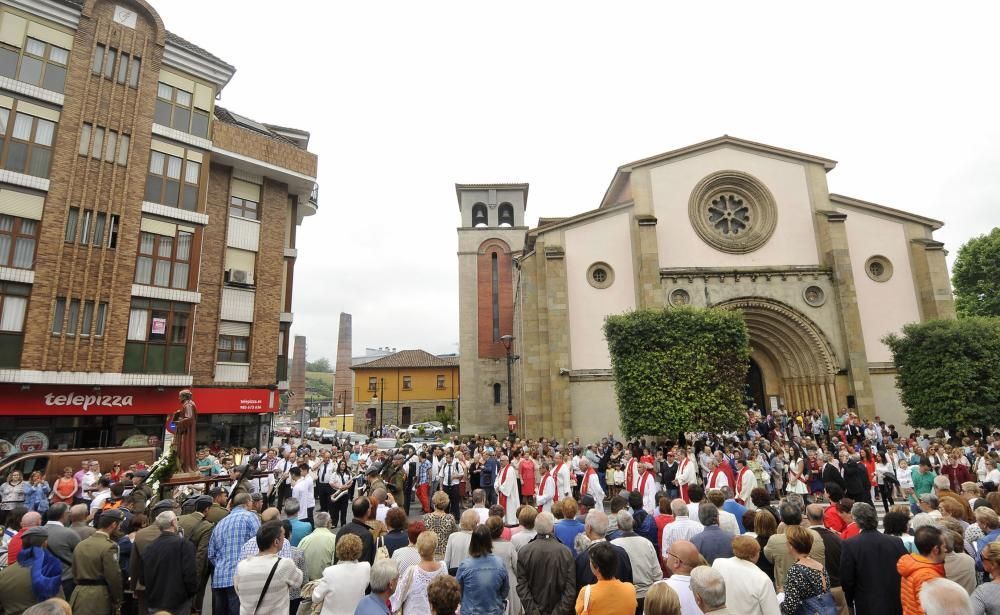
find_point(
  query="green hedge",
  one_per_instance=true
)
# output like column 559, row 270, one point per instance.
column 948, row 372
column 679, row 369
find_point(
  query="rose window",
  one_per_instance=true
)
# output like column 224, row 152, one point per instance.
column 729, row 215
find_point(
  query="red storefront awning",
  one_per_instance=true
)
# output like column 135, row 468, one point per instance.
column 62, row 400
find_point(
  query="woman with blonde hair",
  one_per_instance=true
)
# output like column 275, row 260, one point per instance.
column 440, row 522
column 661, row 599
column 410, row 597
column 343, row 584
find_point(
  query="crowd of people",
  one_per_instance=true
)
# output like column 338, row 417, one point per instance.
column 781, row 518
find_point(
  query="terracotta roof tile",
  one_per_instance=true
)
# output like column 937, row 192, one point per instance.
column 408, row 358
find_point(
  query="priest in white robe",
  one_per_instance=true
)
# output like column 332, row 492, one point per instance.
column 632, row 473
column 546, row 490
column 745, row 481
column 716, row 477
column 591, row 485
column 506, row 486
column 687, row 474
column 564, row 486
column 646, row 485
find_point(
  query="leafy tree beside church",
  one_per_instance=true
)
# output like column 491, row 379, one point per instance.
column 976, row 276
column 679, row 369
column 948, row 372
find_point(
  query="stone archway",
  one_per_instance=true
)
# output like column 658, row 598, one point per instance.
column 788, row 344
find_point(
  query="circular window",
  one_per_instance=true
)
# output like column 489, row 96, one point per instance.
column 679, row 296
column 814, row 296
column 878, row 268
column 733, row 212
column 600, row 275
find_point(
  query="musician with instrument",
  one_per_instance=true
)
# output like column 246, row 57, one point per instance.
column 282, row 486
column 343, row 492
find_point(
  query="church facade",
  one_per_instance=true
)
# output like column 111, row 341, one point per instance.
column 820, row 278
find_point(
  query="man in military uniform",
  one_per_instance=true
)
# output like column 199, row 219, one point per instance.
column 375, row 479
column 198, row 530
column 142, row 493
column 16, row 590
column 143, row 538
column 395, row 478
column 217, row 511
column 96, row 570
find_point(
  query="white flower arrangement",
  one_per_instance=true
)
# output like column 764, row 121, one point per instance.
column 162, row 469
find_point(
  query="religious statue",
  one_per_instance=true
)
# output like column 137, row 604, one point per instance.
column 185, row 420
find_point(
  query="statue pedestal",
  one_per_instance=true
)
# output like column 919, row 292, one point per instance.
column 185, row 475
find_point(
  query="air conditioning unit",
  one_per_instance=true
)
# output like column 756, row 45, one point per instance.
column 239, row 276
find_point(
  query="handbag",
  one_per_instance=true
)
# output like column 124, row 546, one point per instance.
column 820, row 604
column 406, row 591
column 381, row 551
column 586, row 600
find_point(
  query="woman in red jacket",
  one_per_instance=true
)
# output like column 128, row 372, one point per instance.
column 868, row 460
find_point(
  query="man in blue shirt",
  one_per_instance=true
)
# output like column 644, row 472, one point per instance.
column 730, row 505
column 713, row 542
column 569, row 526
column 488, row 477
column 383, row 580
column 228, row 536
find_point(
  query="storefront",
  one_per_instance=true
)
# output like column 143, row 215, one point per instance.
column 51, row 416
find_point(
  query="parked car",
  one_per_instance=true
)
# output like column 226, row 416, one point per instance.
column 313, row 433
column 328, row 436
column 384, row 444
column 427, row 428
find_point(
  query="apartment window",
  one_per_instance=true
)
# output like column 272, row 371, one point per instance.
column 440, row 381
column 234, row 348
column 73, row 316
column 158, row 337
column 106, row 145
column 91, row 228
column 18, row 240
column 89, row 316
column 407, row 383
column 59, row 316
column 372, row 382
column 27, row 143
column 38, row 63
column 497, row 394
column 121, row 67
column 243, row 208
column 164, row 261
column 13, row 309
column 164, row 185
column 102, row 314
column 175, row 108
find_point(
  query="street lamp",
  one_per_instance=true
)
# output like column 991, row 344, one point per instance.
column 381, row 405
column 507, row 341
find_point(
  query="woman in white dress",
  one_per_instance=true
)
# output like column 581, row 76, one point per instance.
column 343, row 584
column 410, row 597
column 797, row 479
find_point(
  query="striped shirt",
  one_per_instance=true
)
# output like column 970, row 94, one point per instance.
column 228, row 537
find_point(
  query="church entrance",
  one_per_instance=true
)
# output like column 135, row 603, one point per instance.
column 792, row 363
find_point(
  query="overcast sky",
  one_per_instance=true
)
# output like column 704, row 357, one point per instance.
column 404, row 99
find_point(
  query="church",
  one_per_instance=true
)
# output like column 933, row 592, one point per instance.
column 819, row 277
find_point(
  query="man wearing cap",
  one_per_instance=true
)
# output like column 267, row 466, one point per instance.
column 18, row 588
column 198, row 530
column 217, row 511
column 96, row 570
column 169, row 570
column 144, row 538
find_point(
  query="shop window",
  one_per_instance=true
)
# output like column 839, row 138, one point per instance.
column 234, row 349
column 164, row 261
column 175, row 108
column 122, row 67
column 164, row 183
column 38, row 63
column 18, row 240
column 440, row 381
column 13, row 308
column 244, row 208
column 27, row 142
column 158, row 337
column 407, row 383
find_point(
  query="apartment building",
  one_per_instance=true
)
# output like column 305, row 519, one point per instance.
column 147, row 235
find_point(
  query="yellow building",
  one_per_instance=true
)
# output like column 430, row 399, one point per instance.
column 409, row 386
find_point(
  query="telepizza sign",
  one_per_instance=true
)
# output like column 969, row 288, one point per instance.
column 58, row 400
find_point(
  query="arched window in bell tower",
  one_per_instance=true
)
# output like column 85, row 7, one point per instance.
column 480, row 217
column 506, row 213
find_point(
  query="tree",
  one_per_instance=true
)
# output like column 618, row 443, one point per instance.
column 976, row 276
column 948, row 372
column 320, row 365
column 679, row 369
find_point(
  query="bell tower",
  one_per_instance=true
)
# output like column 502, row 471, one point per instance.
column 490, row 237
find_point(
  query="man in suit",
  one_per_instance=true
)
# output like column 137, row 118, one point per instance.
column 832, row 474
column 868, row 566
column 61, row 542
column 856, row 483
column 169, row 573
column 324, row 474
column 832, row 549
column 596, row 527
column 198, row 530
